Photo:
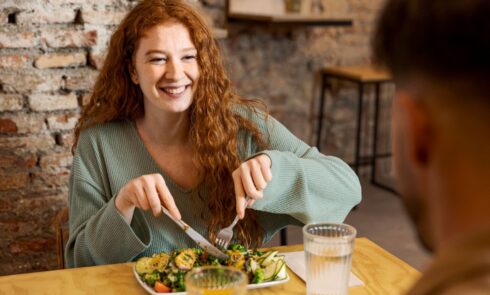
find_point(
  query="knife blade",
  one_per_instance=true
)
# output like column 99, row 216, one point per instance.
column 197, row 237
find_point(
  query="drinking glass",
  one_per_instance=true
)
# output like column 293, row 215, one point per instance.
column 328, row 251
column 216, row 280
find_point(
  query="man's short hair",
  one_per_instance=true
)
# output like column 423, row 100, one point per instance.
column 445, row 40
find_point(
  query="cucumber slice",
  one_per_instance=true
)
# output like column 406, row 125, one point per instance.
column 276, row 270
column 270, row 272
column 281, row 273
column 253, row 265
column 268, row 259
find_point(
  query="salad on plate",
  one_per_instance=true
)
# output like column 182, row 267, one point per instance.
column 165, row 272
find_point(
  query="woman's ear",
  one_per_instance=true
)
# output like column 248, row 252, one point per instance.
column 133, row 74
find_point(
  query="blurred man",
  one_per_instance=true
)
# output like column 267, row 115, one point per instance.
column 439, row 54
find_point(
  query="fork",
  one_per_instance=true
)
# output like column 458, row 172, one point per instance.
column 226, row 234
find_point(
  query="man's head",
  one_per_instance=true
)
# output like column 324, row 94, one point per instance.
column 439, row 54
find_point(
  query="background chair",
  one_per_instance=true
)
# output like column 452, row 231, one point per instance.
column 62, row 231
column 362, row 76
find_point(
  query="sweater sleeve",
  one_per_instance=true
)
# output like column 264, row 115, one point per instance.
column 306, row 184
column 98, row 232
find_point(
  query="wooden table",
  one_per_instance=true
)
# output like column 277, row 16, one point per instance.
column 381, row 272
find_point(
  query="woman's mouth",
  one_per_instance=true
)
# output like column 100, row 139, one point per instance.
column 174, row 90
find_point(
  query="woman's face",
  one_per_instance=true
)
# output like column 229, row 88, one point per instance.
column 166, row 68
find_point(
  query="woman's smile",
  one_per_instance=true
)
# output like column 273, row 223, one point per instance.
column 174, row 91
column 166, row 68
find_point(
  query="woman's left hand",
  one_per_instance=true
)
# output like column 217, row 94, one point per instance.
column 250, row 179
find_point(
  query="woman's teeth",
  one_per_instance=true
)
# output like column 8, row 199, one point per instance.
column 173, row 90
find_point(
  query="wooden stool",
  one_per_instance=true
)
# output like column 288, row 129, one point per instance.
column 362, row 76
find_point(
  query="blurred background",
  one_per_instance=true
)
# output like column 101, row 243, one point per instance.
column 50, row 54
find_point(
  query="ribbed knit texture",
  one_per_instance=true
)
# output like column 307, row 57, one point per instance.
column 306, row 187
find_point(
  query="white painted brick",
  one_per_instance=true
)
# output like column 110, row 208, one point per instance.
column 49, row 102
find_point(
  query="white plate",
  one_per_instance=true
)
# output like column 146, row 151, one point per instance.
column 249, row 286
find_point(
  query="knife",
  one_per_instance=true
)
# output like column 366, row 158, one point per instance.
column 197, row 237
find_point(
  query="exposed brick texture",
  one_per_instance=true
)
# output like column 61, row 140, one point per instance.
column 15, row 61
column 11, row 102
column 11, row 38
column 48, row 102
column 62, row 122
column 61, row 37
column 50, row 55
column 102, row 17
column 13, row 181
column 61, row 60
column 46, row 15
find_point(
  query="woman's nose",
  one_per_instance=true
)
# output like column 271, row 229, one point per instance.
column 174, row 70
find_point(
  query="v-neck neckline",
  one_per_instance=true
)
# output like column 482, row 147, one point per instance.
column 167, row 178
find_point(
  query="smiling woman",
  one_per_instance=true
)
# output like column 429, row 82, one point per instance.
column 164, row 127
column 166, row 68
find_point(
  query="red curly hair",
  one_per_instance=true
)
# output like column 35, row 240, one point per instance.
column 214, row 123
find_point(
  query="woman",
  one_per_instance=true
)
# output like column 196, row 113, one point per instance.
column 164, row 128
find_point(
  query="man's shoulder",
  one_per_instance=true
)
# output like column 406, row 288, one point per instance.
column 479, row 285
column 463, row 268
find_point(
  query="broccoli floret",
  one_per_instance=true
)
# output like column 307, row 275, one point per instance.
column 257, row 253
column 151, row 278
column 258, row 276
column 238, row 247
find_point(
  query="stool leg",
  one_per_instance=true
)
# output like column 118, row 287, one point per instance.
column 320, row 115
column 375, row 145
column 375, row 135
column 358, row 129
column 284, row 236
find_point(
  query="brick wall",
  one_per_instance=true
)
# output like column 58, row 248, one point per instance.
column 50, row 51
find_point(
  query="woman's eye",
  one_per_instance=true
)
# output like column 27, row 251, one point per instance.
column 189, row 57
column 158, row 60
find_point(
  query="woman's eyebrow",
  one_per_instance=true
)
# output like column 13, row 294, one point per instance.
column 154, row 51
column 163, row 52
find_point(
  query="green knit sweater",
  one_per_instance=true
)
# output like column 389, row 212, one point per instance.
column 306, row 187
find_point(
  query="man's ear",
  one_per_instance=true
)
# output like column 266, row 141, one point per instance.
column 419, row 127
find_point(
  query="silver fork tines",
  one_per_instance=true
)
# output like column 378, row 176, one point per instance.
column 225, row 235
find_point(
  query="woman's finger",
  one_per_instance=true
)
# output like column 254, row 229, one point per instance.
column 265, row 166
column 247, row 182
column 257, row 175
column 166, row 198
column 153, row 199
column 239, row 194
column 140, row 197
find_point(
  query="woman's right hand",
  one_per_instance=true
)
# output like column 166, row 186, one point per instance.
column 145, row 192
